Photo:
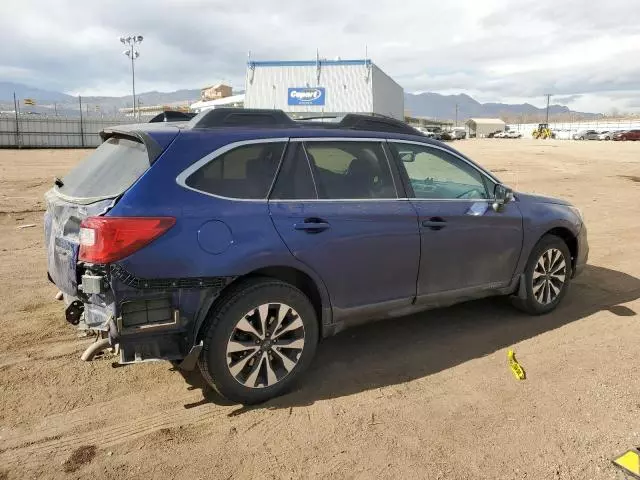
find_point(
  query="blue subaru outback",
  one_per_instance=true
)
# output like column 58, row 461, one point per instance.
column 238, row 239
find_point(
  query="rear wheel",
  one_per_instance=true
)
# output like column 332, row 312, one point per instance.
column 547, row 276
column 260, row 339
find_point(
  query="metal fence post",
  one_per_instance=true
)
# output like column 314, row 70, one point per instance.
column 15, row 110
column 81, row 127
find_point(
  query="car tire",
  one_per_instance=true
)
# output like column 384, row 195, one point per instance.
column 258, row 341
column 547, row 276
column 581, row 138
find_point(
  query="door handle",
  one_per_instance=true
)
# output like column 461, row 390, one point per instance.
column 312, row 225
column 434, row 223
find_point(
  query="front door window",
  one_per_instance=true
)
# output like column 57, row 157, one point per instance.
column 435, row 174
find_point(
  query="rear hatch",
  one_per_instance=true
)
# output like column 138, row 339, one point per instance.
column 91, row 189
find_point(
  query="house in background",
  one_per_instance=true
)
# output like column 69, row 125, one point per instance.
column 215, row 92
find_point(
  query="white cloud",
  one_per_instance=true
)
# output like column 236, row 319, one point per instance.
column 496, row 50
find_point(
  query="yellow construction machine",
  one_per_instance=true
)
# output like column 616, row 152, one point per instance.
column 543, row 131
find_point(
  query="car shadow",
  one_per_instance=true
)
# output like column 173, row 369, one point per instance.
column 398, row 350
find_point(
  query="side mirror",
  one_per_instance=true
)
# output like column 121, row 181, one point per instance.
column 502, row 195
column 408, row 157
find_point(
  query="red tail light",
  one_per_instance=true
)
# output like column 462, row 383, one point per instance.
column 107, row 239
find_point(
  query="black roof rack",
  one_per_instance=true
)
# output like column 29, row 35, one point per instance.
column 241, row 117
column 249, row 117
column 376, row 123
column 172, row 116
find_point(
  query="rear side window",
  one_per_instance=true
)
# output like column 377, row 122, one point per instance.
column 244, row 172
column 111, row 169
column 350, row 170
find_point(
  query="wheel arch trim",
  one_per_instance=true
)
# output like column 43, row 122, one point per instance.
column 321, row 302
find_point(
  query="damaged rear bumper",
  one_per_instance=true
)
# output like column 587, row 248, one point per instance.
column 149, row 319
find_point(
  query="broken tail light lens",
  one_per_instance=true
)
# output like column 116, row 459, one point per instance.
column 108, row 239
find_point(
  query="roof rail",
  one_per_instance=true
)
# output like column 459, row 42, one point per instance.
column 254, row 117
column 238, row 117
column 172, row 116
column 376, row 123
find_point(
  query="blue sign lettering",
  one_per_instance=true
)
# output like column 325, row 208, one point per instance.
column 306, row 96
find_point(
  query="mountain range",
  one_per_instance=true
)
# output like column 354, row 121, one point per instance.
column 431, row 105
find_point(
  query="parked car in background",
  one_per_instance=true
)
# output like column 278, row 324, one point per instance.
column 500, row 134
column 425, row 132
column 633, row 135
column 513, row 134
column 606, row 135
column 447, row 135
column 459, row 133
column 586, row 135
column 493, row 134
column 237, row 240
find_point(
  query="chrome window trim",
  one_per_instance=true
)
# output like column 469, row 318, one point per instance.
column 276, row 200
column 337, row 139
column 181, row 179
column 307, row 200
column 480, row 170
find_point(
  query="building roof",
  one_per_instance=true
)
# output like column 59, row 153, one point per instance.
column 486, row 121
column 307, row 63
column 217, row 85
column 219, row 102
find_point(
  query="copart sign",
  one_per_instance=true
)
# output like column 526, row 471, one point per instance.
column 306, row 96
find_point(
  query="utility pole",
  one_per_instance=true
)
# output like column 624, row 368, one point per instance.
column 132, row 53
column 548, row 95
column 456, row 114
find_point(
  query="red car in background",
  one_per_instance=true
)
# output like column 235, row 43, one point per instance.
column 627, row 135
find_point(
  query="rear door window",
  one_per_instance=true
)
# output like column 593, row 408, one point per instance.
column 246, row 172
column 350, row 170
column 110, row 170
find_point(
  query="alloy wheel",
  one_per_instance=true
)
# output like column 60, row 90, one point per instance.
column 265, row 345
column 549, row 276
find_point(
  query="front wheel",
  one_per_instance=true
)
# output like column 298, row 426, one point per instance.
column 260, row 339
column 546, row 276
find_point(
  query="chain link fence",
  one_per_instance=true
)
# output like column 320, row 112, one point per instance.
column 26, row 131
column 566, row 130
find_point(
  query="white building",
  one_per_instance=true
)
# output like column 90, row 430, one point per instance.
column 481, row 127
column 232, row 101
column 323, row 88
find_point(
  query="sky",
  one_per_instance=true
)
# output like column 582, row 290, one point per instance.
column 587, row 54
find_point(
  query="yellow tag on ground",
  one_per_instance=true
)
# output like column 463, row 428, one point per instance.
column 629, row 461
column 515, row 367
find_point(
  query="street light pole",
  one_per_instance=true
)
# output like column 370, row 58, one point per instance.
column 548, row 95
column 132, row 53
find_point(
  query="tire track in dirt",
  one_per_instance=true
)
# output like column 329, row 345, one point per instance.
column 28, row 451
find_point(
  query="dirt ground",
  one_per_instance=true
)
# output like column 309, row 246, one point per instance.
column 428, row 396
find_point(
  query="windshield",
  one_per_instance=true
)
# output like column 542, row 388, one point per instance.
column 112, row 168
